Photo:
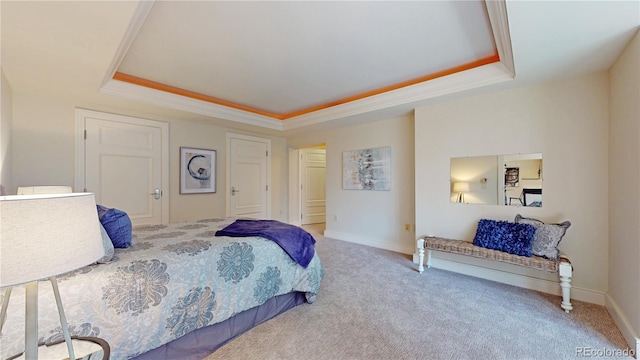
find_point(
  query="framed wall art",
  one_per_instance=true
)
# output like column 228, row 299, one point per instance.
column 367, row 169
column 197, row 171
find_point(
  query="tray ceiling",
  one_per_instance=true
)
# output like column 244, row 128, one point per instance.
column 284, row 59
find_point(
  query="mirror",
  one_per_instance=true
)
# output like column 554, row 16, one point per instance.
column 510, row 180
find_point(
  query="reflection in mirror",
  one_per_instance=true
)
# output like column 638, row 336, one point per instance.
column 511, row 180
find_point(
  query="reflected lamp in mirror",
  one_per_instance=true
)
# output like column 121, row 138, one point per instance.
column 460, row 188
column 498, row 179
column 43, row 236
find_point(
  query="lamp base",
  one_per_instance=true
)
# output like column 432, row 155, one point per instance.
column 460, row 198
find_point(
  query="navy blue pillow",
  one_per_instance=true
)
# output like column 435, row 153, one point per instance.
column 117, row 224
column 505, row 236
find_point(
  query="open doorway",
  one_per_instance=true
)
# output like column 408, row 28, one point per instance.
column 307, row 185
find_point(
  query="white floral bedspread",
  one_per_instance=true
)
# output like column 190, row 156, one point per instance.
column 173, row 279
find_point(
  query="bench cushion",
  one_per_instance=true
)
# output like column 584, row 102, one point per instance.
column 467, row 248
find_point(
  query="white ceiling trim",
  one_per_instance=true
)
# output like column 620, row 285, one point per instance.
column 469, row 79
column 178, row 102
column 499, row 20
column 138, row 19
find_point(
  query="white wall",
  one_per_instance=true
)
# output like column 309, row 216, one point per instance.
column 6, row 96
column 374, row 218
column 43, row 153
column 565, row 120
column 624, row 192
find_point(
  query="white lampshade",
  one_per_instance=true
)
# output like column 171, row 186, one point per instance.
column 460, row 187
column 41, row 190
column 47, row 235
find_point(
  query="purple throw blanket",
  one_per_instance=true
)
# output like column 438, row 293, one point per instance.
column 295, row 241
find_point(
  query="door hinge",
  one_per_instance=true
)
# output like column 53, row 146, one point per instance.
column 85, row 134
column 267, row 153
column 267, row 187
column 300, row 216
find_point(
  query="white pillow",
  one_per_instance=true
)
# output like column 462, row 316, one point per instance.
column 547, row 236
column 108, row 246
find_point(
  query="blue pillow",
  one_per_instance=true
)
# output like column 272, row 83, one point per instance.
column 505, row 236
column 117, row 224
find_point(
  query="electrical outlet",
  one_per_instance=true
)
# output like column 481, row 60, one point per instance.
column 407, row 227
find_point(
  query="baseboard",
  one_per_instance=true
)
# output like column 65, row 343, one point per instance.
column 628, row 332
column 368, row 241
column 523, row 281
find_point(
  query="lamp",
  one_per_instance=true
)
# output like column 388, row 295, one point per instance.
column 41, row 190
column 460, row 188
column 42, row 236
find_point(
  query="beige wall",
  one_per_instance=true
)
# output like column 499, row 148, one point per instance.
column 42, row 141
column 565, row 120
column 624, row 192
column 374, row 218
column 193, row 206
column 43, row 153
column 6, row 96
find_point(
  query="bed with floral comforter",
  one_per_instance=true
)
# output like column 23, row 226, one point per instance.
column 172, row 280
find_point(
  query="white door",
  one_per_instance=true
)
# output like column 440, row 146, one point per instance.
column 248, row 169
column 126, row 165
column 312, row 180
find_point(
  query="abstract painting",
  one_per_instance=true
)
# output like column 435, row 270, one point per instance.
column 197, row 171
column 367, row 169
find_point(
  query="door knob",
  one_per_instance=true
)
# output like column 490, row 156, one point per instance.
column 156, row 193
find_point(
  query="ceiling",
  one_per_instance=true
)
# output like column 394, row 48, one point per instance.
column 283, row 58
column 282, row 66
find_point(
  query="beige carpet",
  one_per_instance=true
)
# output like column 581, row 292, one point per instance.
column 373, row 304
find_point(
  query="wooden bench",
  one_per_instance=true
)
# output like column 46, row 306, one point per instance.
column 562, row 266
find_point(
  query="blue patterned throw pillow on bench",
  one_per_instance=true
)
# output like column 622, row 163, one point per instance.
column 505, row 236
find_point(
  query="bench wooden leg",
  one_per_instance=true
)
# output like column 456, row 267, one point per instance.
column 420, row 245
column 566, row 272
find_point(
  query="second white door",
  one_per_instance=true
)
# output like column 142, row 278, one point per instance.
column 248, row 174
column 312, row 179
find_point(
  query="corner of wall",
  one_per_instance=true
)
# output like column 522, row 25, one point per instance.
column 6, row 124
column 626, row 328
column 624, row 206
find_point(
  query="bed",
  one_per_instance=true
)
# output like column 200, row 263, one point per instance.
column 177, row 291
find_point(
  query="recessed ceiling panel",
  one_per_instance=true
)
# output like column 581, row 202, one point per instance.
column 285, row 57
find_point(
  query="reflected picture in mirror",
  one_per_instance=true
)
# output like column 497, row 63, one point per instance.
column 508, row 180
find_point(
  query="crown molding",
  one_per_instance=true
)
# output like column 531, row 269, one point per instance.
column 143, row 94
column 497, row 10
column 470, row 79
column 139, row 17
